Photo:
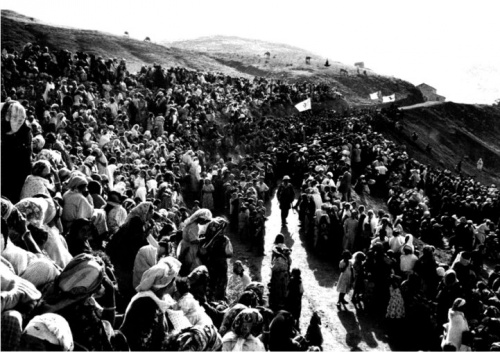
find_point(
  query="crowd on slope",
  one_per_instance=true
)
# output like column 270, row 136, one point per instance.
column 110, row 181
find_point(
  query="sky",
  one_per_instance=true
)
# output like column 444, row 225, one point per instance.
column 450, row 45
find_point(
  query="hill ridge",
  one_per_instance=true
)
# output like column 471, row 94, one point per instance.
column 289, row 64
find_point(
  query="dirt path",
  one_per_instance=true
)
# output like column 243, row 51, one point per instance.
column 346, row 330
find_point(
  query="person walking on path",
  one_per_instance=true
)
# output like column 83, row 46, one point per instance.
column 286, row 196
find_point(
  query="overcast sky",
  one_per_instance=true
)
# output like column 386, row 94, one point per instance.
column 450, row 45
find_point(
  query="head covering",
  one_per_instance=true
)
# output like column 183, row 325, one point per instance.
column 15, row 113
column 41, row 168
column 17, row 287
column 7, row 208
column 249, row 298
column 215, row 227
column 229, row 317
column 51, row 211
column 40, row 272
column 204, row 214
column 450, row 277
column 198, row 338
column 145, row 259
column 258, row 288
column 141, row 211
column 77, row 181
column 52, row 328
column 82, row 276
column 250, row 316
column 38, row 141
column 459, row 302
column 120, row 187
column 440, row 271
column 159, row 275
column 238, row 264
column 279, row 239
column 34, row 210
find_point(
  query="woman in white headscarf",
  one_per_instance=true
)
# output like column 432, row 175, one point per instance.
column 456, row 326
column 47, row 332
column 195, row 171
column 16, row 149
column 55, row 246
column 145, row 324
column 187, row 251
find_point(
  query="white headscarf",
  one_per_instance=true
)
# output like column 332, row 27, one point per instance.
column 52, row 328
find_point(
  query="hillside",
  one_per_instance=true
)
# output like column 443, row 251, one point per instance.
column 454, row 131
column 230, row 55
column 288, row 62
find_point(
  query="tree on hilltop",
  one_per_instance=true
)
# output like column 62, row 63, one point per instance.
column 147, row 39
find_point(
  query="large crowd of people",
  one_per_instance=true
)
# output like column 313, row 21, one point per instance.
column 111, row 182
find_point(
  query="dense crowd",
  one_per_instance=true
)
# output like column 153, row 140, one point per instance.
column 110, row 183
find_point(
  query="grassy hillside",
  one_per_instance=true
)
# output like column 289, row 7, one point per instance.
column 230, row 55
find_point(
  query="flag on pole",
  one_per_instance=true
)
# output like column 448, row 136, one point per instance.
column 305, row 105
column 374, row 96
column 389, row 98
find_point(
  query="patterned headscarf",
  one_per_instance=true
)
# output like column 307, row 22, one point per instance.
column 229, row 317
column 34, row 210
column 253, row 321
column 258, row 288
column 52, row 328
column 82, row 275
column 199, row 338
column 141, row 211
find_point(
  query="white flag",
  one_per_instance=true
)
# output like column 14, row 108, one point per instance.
column 305, row 105
column 389, row 98
column 374, row 96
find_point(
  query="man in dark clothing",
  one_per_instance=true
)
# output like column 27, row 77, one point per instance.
column 286, row 196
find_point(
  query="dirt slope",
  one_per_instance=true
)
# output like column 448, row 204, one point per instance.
column 454, row 131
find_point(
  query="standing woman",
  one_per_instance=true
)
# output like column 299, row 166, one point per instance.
column 345, row 279
column 456, row 326
column 124, row 245
column 216, row 248
column 350, row 231
column 115, row 213
column 207, row 198
column 146, row 323
column 188, row 249
column 280, row 273
column 16, row 149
